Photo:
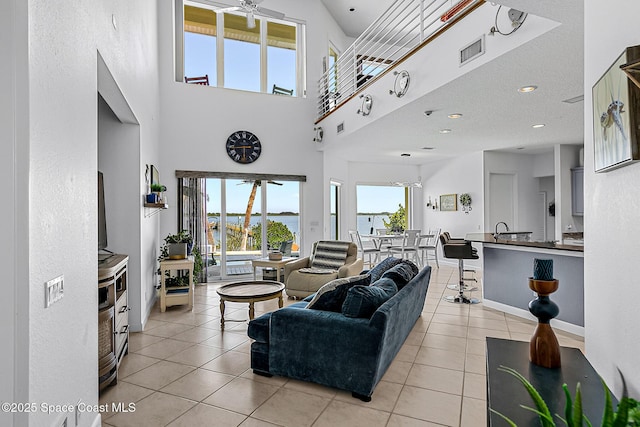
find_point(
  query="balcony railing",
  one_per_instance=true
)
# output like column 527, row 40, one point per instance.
column 402, row 29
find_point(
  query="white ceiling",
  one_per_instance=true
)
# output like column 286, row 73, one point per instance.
column 495, row 115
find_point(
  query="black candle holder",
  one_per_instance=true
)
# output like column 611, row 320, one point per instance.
column 544, row 349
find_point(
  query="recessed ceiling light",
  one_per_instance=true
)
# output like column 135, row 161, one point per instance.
column 527, row 89
column 445, row 130
column 405, row 155
column 427, row 148
column 352, row 9
column 538, row 126
column 520, row 148
column 454, row 115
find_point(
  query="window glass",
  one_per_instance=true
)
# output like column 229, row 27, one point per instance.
column 377, row 203
column 241, row 53
column 281, row 57
column 333, row 75
column 200, row 43
column 256, row 59
column 334, row 211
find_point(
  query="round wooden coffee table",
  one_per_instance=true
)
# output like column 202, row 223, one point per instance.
column 251, row 292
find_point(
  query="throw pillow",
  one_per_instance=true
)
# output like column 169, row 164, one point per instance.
column 386, row 284
column 331, row 296
column 401, row 273
column 377, row 271
column 363, row 301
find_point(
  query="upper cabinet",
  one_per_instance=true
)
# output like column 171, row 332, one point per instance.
column 577, row 191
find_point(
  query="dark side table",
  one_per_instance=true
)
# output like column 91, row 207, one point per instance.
column 505, row 393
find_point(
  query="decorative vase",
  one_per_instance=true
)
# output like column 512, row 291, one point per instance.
column 544, row 349
column 152, row 198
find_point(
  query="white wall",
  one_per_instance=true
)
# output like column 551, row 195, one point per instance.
column 612, row 203
column 11, row 163
column 527, row 187
column 196, row 122
column 62, row 232
column 543, row 164
column 462, row 174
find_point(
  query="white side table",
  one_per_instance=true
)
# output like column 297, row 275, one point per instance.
column 176, row 295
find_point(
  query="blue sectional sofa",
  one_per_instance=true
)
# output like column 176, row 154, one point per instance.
column 330, row 348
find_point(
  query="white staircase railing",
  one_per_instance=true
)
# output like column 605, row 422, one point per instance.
column 404, row 27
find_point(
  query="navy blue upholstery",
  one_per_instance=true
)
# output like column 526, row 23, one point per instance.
column 329, row 348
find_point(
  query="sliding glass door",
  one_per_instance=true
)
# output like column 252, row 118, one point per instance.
column 226, row 217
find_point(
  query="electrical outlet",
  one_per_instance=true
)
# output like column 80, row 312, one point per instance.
column 53, row 290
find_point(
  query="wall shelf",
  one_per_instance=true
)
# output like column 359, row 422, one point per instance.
column 157, row 207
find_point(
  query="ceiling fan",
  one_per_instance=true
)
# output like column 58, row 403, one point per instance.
column 251, row 8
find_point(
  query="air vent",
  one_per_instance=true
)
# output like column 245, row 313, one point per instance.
column 574, row 99
column 341, row 127
column 472, row 51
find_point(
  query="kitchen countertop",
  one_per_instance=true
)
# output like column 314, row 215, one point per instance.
column 488, row 238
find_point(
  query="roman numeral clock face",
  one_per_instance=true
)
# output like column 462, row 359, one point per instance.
column 243, row 147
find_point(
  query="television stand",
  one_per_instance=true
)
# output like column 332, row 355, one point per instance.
column 113, row 317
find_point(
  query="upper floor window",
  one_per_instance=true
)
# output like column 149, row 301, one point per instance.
column 266, row 56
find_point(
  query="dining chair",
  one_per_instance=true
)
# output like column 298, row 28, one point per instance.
column 410, row 246
column 370, row 251
column 382, row 242
column 430, row 244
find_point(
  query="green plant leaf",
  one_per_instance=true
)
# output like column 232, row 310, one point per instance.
column 577, row 407
column 621, row 418
column 607, row 415
column 511, row 423
column 568, row 407
column 543, row 410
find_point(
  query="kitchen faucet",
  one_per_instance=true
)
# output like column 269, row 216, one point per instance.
column 505, row 225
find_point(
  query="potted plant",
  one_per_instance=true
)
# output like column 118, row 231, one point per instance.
column 157, row 190
column 177, row 246
column 626, row 414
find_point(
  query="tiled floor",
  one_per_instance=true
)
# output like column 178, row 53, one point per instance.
column 183, row 371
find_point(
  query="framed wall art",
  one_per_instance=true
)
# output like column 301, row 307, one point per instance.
column 616, row 109
column 449, row 202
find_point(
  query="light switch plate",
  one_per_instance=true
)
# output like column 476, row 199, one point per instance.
column 53, row 290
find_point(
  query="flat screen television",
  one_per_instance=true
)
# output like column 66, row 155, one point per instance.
column 102, row 218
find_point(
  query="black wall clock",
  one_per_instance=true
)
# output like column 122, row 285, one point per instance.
column 243, row 147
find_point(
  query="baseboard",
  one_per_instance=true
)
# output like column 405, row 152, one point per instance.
column 525, row 314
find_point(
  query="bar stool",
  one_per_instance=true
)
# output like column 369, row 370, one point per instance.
column 460, row 251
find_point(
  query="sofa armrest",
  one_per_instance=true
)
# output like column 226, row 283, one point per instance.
column 352, row 269
column 295, row 265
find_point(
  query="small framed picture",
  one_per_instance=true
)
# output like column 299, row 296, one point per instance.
column 449, row 202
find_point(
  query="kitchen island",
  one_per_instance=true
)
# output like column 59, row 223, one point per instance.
column 508, row 265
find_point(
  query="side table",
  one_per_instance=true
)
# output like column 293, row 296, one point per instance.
column 176, row 295
column 505, row 393
column 266, row 262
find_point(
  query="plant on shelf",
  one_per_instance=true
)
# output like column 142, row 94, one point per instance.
column 157, row 189
column 177, row 246
column 627, row 414
column 180, row 245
